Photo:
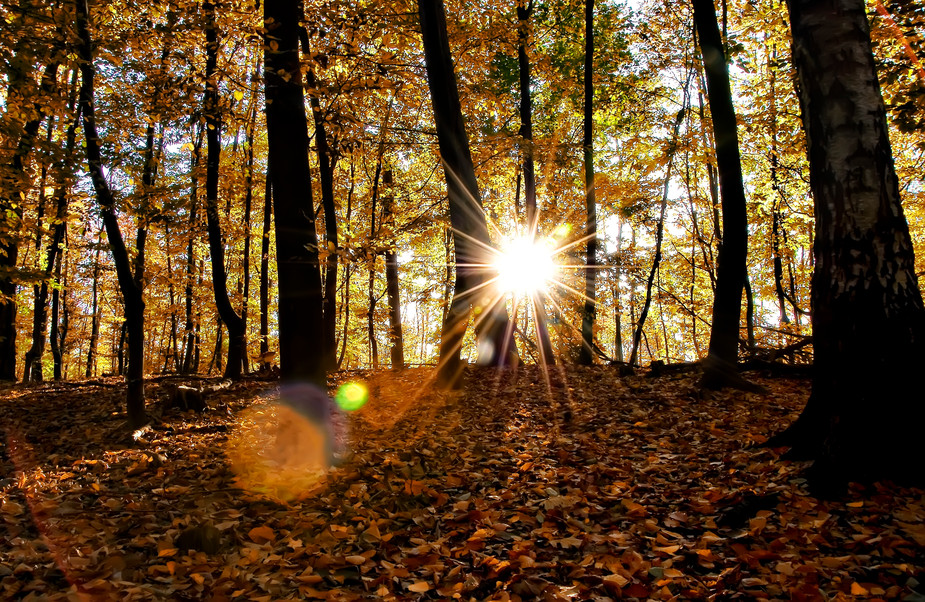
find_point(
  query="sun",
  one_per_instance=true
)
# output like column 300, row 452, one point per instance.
column 525, row 265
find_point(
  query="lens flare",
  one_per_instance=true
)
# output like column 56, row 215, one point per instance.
column 351, row 397
column 284, row 449
column 277, row 452
column 525, row 266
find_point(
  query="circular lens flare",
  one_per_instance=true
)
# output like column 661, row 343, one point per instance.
column 525, row 265
column 351, row 396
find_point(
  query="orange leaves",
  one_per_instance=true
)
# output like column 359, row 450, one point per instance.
column 634, row 509
column 491, row 501
column 262, row 534
column 419, row 587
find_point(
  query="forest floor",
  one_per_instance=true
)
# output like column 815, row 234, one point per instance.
column 594, row 487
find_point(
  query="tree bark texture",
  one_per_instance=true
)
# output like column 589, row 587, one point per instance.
column 863, row 419
column 301, row 338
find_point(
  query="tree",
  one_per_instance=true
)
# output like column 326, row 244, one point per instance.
column 470, row 230
column 301, row 342
column 720, row 364
column 132, row 299
column 589, row 312
column 326, row 161
column 232, row 320
column 862, row 420
column 524, row 10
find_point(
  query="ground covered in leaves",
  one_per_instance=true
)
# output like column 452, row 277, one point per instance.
column 588, row 487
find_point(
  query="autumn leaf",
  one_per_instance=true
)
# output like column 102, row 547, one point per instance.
column 261, row 534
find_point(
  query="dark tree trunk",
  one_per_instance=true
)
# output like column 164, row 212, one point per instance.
column 589, row 312
column 471, row 238
column 301, row 323
column 617, row 309
column 131, row 294
column 526, row 133
column 231, row 319
column 32, row 366
column 776, row 217
column 347, row 272
column 326, row 161
column 60, row 370
column 720, row 365
column 749, row 316
column 95, row 318
column 345, row 301
column 371, row 315
column 120, row 353
column 190, row 329
column 248, row 202
column 216, row 361
column 265, row 273
column 397, row 349
column 57, row 348
column 373, row 252
column 173, row 352
column 778, row 264
column 863, row 419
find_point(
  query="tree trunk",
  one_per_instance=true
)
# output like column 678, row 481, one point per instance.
column 32, row 364
column 749, row 317
column 373, row 252
column 131, row 294
column 301, row 327
column 57, row 351
column 326, row 161
column 589, row 311
column 397, row 349
column 863, row 419
column 471, row 239
column 231, row 319
column 617, row 318
column 248, row 202
column 173, row 352
column 120, row 353
column 720, row 364
column 190, row 336
column 95, row 318
column 347, row 271
column 526, row 133
column 60, row 368
column 265, row 273
column 371, row 307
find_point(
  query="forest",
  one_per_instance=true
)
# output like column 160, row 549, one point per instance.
column 432, row 209
column 169, row 74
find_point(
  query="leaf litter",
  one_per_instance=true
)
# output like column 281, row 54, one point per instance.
column 590, row 487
